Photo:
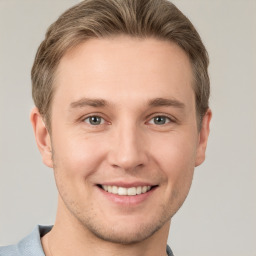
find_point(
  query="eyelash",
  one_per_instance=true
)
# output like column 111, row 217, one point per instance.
column 97, row 116
column 170, row 119
column 160, row 116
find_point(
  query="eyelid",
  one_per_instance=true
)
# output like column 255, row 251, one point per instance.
column 83, row 118
column 171, row 118
column 149, row 117
column 88, row 117
column 167, row 118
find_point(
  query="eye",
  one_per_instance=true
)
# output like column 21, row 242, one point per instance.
column 94, row 120
column 160, row 120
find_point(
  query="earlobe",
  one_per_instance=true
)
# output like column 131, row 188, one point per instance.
column 203, row 138
column 42, row 137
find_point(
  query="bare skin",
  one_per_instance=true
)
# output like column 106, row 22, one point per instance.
column 123, row 115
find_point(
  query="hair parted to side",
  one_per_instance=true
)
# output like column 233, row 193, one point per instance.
column 104, row 18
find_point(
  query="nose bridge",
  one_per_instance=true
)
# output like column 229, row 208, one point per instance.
column 128, row 150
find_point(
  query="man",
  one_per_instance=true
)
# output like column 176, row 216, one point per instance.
column 121, row 92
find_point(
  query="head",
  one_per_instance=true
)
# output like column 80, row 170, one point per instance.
column 158, row 19
column 121, row 90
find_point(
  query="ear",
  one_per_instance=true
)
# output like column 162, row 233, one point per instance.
column 203, row 138
column 42, row 137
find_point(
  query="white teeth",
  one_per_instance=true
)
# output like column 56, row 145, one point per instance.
column 121, row 191
column 131, row 191
column 114, row 190
column 144, row 189
column 138, row 190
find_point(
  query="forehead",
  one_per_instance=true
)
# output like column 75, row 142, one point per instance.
column 122, row 68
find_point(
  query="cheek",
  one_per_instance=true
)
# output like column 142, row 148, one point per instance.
column 77, row 156
column 176, row 157
column 176, row 160
column 75, row 162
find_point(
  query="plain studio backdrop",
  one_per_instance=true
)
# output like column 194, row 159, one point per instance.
column 219, row 215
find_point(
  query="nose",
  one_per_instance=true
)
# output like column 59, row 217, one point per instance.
column 128, row 150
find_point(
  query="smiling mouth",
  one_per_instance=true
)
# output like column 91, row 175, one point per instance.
column 122, row 191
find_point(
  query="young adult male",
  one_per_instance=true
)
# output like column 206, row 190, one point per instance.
column 121, row 92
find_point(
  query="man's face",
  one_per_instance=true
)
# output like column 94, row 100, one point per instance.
column 124, row 120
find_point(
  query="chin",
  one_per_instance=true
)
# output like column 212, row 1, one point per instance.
column 125, row 230
column 124, row 235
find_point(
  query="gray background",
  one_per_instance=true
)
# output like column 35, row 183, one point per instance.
column 219, row 216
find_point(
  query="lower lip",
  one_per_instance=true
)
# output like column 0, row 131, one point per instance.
column 127, row 200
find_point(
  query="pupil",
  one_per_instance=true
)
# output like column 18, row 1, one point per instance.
column 95, row 120
column 160, row 120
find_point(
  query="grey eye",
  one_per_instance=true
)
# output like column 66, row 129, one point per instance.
column 160, row 120
column 94, row 120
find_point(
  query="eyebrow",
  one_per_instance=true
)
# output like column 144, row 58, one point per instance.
column 158, row 102
column 97, row 103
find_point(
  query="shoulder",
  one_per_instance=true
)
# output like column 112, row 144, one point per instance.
column 28, row 246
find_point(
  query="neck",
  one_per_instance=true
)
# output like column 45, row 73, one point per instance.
column 70, row 237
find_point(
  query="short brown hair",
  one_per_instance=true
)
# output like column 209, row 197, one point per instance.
column 103, row 18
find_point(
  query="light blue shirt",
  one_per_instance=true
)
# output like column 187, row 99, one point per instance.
column 31, row 244
column 28, row 246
